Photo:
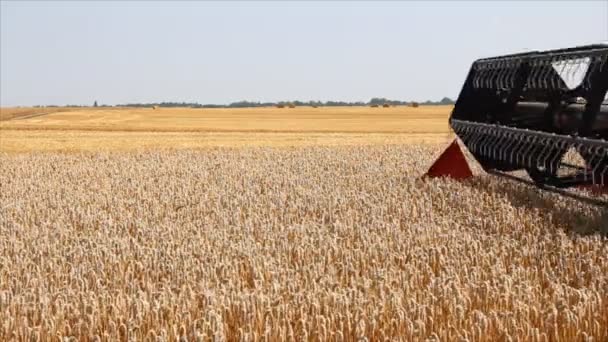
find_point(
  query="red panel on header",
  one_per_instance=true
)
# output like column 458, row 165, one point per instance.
column 451, row 163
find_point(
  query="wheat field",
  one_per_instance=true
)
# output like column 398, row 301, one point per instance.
column 22, row 113
column 400, row 119
column 334, row 239
column 124, row 129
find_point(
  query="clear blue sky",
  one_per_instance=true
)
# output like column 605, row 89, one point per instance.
column 209, row 52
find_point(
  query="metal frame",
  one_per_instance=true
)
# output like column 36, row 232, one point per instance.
column 526, row 111
column 529, row 149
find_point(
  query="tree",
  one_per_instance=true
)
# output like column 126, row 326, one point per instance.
column 378, row 101
column 95, row 104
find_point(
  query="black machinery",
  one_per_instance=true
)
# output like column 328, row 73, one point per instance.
column 539, row 112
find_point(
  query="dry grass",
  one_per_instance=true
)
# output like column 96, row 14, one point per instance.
column 316, row 243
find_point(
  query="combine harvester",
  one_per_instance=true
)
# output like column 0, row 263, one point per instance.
column 536, row 113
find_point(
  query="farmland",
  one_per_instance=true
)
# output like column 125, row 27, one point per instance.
column 430, row 119
column 257, row 226
column 111, row 129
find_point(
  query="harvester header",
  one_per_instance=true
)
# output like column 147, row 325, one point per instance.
column 538, row 112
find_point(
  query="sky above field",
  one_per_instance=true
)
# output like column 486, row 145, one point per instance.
column 77, row 52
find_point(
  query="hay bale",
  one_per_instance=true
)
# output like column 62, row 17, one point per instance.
column 280, row 106
column 315, row 106
column 374, row 106
column 291, row 105
column 386, row 105
column 414, row 104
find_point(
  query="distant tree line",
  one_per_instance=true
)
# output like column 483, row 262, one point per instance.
column 376, row 101
column 251, row 104
column 64, row 106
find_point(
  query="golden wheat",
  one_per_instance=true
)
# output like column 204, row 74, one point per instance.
column 108, row 129
column 402, row 119
column 26, row 141
column 317, row 243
